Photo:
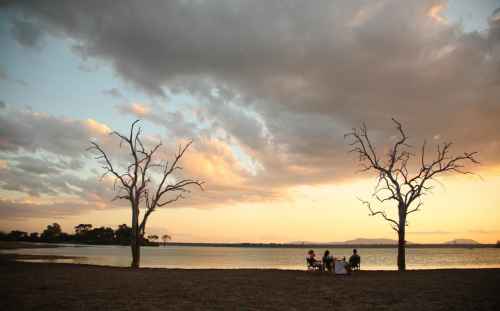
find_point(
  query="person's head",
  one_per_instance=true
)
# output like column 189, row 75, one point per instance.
column 310, row 252
column 327, row 252
column 354, row 251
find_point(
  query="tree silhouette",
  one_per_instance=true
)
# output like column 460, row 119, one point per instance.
column 82, row 228
column 153, row 237
column 52, row 233
column 396, row 184
column 104, row 235
column 123, row 234
column 17, row 235
column 137, row 185
column 166, row 238
column 34, row 236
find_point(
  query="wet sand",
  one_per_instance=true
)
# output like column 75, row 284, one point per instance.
column 45, row 286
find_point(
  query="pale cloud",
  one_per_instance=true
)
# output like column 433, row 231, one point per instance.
column 24, row 209
column 140, row 110
column 96, row 127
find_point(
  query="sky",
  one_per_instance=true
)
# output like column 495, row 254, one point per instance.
column 267, row 93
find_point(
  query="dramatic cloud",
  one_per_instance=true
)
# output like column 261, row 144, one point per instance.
column 291, row 63
column 33, row 131
column 26, row 33
column 278, row 84
column 174, row 122
column 44, row 157
column 57, row 165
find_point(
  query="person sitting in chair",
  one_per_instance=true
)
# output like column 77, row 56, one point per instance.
column 312, row 262
column 327, row 261
column 355, row 260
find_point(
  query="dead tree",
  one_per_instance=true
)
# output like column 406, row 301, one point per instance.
column 396, row 184
column 136, row 184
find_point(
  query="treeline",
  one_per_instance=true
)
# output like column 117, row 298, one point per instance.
column 83, row 233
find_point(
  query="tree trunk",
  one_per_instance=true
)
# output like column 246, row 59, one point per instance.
column 401, row 238
column 136, row 253
column 401, row 251
column 135, row 243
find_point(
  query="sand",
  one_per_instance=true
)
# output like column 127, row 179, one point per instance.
column 46, row 286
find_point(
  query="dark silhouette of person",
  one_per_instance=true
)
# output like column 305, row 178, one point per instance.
column 327, row 261
column 355, row 260
column 312, row 261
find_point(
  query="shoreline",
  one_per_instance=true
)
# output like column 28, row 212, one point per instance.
column 22, row 244
column 47, row 259
column 66, row 260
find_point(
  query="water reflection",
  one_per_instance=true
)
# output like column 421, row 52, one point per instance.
column 266, row 258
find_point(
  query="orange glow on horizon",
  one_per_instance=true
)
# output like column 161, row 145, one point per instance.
column 326, row 213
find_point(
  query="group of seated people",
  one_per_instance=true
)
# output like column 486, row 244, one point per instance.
column 330, row 263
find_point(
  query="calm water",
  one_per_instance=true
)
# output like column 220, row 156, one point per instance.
column 265, row 258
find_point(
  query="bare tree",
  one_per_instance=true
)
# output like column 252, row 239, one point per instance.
column 396, row 184
column 136, row 184
column 166, row 238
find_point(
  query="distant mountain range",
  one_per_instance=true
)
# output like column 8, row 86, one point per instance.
column 379, row 241
column 363, row 241
column 359, row 241
column 462, row 241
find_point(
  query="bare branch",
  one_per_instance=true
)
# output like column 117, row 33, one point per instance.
column 415, row 209
column 136, row 183
column 394, row 224
column 108, row 166
column 394, row 182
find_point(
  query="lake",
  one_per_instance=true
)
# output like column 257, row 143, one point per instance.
column 196, row 257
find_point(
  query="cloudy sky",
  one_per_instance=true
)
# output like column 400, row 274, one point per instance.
column 266, row 90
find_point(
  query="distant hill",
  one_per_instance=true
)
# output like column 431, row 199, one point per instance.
column 362, row 241
column 358, row 241
column 303, row 242
column 380, row 241
column 461, row 241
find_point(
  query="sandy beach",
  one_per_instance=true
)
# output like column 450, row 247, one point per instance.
column 46, row 286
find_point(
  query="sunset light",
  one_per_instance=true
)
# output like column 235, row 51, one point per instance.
column 324, row 136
